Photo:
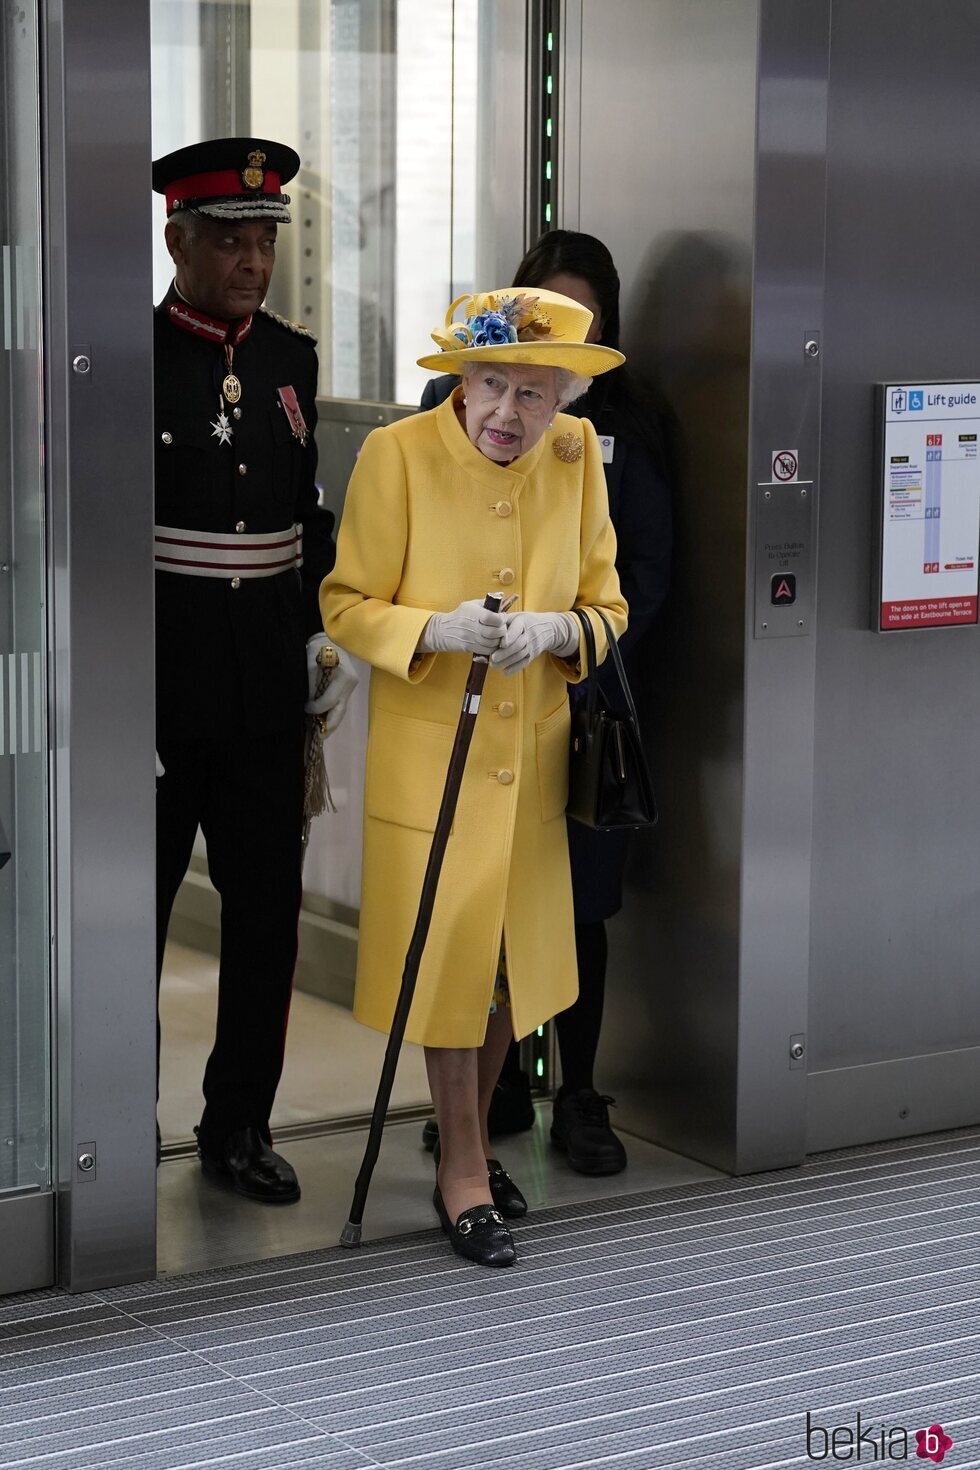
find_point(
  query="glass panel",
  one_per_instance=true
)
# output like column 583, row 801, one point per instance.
column 24, row 990
column 380, row 98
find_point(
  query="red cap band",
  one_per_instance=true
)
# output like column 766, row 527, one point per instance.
column 224, row 183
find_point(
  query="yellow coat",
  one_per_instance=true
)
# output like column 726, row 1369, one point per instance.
column 429, row 522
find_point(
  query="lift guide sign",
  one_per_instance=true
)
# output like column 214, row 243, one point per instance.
column 930, row 519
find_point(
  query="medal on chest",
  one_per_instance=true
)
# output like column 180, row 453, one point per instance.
column 289, row 401
column 221, row 426
column 231, row 386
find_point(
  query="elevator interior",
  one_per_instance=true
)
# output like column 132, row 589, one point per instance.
column 794, row 967
column 774, row 993
column 398, row 208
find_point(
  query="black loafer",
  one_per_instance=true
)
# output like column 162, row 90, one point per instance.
column 249, row 1165
column 505, row 1194
column 479, row 1234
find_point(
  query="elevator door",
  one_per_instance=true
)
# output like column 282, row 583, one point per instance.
column 26, row 1201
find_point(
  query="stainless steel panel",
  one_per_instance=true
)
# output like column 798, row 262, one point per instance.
column 666, row 170
column 99, row 454
column 779, row 671
column 895, row 919
column 501, row 219
column 716, row 224
column 26, row 1241
column 226, row 74
column 892, row 1099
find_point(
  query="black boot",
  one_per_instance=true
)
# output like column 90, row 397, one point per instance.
column 581, row 1131
column 246, row 1162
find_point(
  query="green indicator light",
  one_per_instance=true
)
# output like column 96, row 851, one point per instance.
column 551, row 41
column 549, row 86
column 547, row 169
column 540, row 1068
column 540, row 1030
column 548, row 127
column 547, row 214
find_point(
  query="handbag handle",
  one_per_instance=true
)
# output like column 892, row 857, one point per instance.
column 615, row 655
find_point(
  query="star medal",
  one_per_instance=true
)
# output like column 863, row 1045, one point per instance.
column 221, row 426
column 231, row 387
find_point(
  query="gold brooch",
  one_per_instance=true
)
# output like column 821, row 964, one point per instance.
column 568, row 448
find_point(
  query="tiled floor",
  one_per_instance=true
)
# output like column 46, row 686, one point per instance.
column 693, row 1327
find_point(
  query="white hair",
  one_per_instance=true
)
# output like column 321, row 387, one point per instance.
column 187, row 221
column 568, row 385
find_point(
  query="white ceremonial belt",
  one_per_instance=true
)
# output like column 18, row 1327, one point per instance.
column 224, row 554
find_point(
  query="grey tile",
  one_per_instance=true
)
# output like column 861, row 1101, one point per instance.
column 678, row 1327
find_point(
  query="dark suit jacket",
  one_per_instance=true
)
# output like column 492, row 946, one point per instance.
column 232, row 661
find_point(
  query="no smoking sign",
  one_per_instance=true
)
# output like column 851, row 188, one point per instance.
column 785, row 465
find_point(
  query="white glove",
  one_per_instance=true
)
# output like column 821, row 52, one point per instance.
column 343, row 681
column 529, row 634
column 160, row 770
column 470, row 628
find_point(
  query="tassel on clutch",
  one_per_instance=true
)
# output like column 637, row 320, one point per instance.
column 317, row 797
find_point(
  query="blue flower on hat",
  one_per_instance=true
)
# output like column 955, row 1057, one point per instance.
column 491, row 329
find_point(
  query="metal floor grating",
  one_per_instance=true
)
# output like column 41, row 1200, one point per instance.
column 687, row 1327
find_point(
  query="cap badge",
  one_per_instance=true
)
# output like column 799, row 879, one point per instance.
column 568, row 447
column 253, row 177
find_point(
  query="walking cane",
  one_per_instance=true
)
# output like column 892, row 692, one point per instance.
column 351, row 1233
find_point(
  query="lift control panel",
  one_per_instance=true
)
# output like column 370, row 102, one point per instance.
column 784, row 549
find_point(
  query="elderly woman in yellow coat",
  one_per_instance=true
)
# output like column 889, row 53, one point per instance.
column 494, row 491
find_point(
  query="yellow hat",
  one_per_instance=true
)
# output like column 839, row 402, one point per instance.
column 530, row 329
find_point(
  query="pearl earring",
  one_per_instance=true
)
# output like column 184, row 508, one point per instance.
column 464, row 398
column 551, row 423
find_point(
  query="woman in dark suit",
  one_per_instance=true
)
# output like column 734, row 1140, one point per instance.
column 635, row 464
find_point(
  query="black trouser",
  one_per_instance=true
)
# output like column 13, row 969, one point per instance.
column 247, row 797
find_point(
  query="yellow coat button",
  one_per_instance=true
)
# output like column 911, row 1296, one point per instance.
column 243, row 469
column 239, row 525
column 505, row 777
column 236, row 582
column 503, row 507
column 505, row 710
column 506, row 576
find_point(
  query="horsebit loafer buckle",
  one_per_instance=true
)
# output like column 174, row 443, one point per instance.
column 465, row 1226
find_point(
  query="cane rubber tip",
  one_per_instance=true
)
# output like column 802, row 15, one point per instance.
column 350, row 1235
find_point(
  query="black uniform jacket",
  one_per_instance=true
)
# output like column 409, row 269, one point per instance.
column 231, row 662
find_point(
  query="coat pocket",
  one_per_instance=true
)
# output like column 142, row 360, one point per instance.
column 407, row 765
column 551, row 755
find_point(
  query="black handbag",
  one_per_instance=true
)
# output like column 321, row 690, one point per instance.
column 609, row 786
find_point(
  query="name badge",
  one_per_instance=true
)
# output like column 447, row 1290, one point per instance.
column 607, row 443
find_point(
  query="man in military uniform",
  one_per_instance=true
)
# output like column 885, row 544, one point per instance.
column 241, row 546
